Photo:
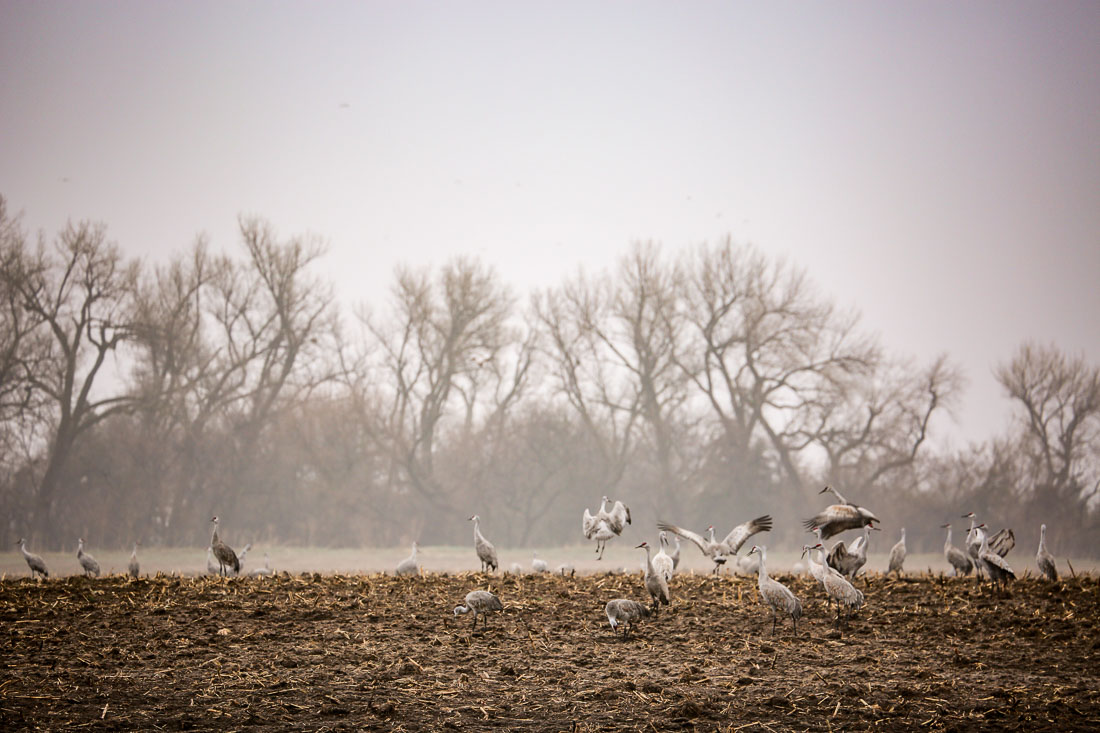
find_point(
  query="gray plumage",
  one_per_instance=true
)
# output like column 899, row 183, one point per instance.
column 241, row 557
column 849, row 559
column 1043, row 558
column 1002, row 542
column 958, row 559
column 537, row 565
column 211, row 564
column 897, row 555
column 774, row 594
column 717, row 551
column 605, row 525
column 655, row 582
column 409, row 566
column 624, row 612
column 223, row 553
column 837, row 518
column 134, row 568
column 91, row 567
column 482, row 603
column 663, row 563
column 265, row 570
column 34, row 562
column 847, row 597
column 484, row 548
column 994, row 565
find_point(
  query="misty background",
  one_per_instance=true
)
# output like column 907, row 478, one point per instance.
column 347, row 273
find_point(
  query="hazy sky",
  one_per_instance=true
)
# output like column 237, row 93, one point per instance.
column 935, row 165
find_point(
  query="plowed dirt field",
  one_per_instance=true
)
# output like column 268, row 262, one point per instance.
column 329, row 652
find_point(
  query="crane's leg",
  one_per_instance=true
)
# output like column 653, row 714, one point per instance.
column 775, row 617
column 474, row 624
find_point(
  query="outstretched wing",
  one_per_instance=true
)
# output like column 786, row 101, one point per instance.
column 837, row 556
column 687, row 534
column 588, row 524
column 618, row 517
column 1002, row 542
column 742, row 532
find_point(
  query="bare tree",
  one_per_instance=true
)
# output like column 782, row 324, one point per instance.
column 767, row 351
column 1060, row 398
column 442, row 363
column 80, row 291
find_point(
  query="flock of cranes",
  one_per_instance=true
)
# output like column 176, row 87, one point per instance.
column 836, row 569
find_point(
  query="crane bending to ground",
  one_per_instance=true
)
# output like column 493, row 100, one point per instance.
column 482, row 603
column 484, row 548
column 718, row 552
column 223, row 553
column 624, row 612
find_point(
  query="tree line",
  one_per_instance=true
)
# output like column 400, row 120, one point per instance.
column 136, row 400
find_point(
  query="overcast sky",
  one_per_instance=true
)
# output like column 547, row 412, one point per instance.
column 934, row 165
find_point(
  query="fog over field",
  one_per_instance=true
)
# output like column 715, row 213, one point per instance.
column 346, row 274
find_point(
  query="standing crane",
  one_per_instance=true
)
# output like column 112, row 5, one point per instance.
column 663, row 563
column 482, row 603
column 1000, row 542
column 655, row 582
column 409, row 566
column 223, row 553
column 91, row 567
column 719, row 551
column 958, row 559
column 838, row 589
column 605, row 525
column 995, row 566
column 1044, row 559
column 839, row 517
column 484, row 548
column 34, row 562
column 774, row 594
column 897, row 555
column 134, row 568
column 624, row 612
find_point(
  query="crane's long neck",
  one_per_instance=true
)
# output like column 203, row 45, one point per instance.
column 762, row 573
column 648, row 563
column 970, row 532
column 23, row 547
column 477, row 532
column 947, row 542
column 214, row 536
column 1042, row 538
column 80, row 548
column 134, row 553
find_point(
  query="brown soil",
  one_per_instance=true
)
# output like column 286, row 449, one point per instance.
column 373, row 652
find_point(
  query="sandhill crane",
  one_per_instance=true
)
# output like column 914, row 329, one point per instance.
column 223, row 553
column 849, row 559
column 1044, row 559
column 134, row 567
column 748, row 564
column 897, row 555
column 1001, row 542
column 265, row 570
column 624, row 612
column 409, row 566
column 974, row 544
column 837, row 587
column 728, row 547
column 34, row 562
column 605, row 525
column 655, row 583
column 485, row 550
column 775, row 594
column 91, row 567
column 211, row 564
column 995, row 566
column 838, row 517
column 538, row 565
column 480, row 602
column 662, row 561
column 958, row 559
